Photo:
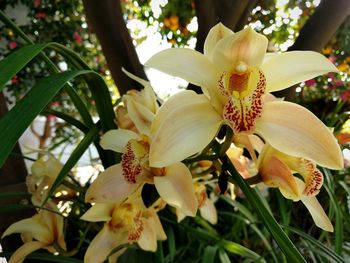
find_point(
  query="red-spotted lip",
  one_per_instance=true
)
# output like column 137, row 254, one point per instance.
column 241, row 113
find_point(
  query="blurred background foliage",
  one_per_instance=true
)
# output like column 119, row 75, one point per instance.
column 175, row 22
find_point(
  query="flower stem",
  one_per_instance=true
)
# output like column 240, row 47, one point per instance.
column 283, row 241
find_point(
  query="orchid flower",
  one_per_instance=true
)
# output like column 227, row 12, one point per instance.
column 42, row 231
column 44, row 172
column 173, row 182
column 206, row 206
column 276, row 170
column 126, row 222
column 236, row 76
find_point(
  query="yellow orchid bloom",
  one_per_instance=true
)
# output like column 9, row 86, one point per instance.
column 173, row 182
column 126, row 222
column 276, row 170
column 41, row 231
column 236, row 76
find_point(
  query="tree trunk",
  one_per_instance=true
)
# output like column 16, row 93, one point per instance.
column 106, row 19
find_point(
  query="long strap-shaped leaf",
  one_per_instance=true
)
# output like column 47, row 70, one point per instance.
column 17, row 60
column 283, row 241
column 14, row 123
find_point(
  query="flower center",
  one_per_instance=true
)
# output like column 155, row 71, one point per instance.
column 134, row 158
column 244, row 88
column 129, row 217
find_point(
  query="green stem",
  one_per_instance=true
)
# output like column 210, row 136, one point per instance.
column 286, row 245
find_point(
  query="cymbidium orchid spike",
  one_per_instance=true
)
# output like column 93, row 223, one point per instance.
column 173, row 182
column 236, row 75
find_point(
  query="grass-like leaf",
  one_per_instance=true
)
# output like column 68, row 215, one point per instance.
column 283, row 241
column 15, row 122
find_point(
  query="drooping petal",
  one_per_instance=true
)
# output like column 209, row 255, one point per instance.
column 245, row 46
column 156, row 224
column 183, row 131
column 116, row 140
column 296, row 131
column 103, row 244
column 99, row 212
column 27, row 248
column 33, row 227
column 148, row 237
column 289, row 68
column 141, row 116
column 176, row 188
column 317, row 213
column 208, row 212
column 110, row 187
column 216, row 33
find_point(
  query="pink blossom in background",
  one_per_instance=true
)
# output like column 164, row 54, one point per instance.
column 40, row 15
column 310, row 82
column 12, row 44
column 77, row 38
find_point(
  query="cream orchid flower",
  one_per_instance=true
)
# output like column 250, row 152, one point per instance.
column 126, row 222
column 44, row 172
column 236, row 75
column 276, row 170
column 173, row 182
column 206, row 206
column 41, row 231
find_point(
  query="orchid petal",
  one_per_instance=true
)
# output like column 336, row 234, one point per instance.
column 183, row 131
column 189, row 65
column 186, row 63
column 103, row 244
column 245, row 46
column 141, row 116
column 317, row 213
column 110, row 187
column 99, row 212
column 287, row 69
column 216, row 33
column 116, row 140
column 143, row 82
column 31, row 226
column 176, row 188
column 208, row 212
column 27, row 248
column 296, row 131
column 148, row 239
column 157, row 225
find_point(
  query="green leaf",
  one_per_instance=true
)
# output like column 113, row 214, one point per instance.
column 339, row 228
column 15, row 122
column 209, row 254
column 283, row 241
column 240, row 250
column 317, row 246
column 17, row 60
column 223, row 256
column 171, row 242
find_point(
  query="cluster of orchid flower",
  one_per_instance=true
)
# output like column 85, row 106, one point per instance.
column 176, row 146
